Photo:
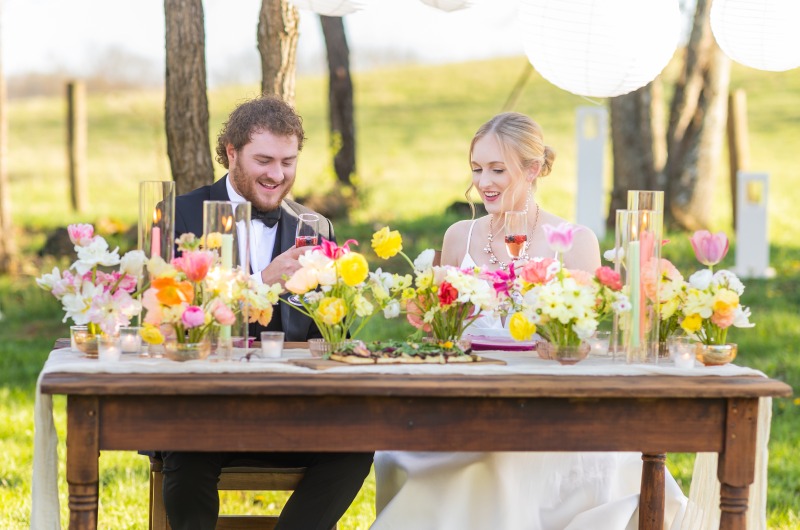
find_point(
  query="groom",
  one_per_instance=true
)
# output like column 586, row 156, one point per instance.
column 259, row 145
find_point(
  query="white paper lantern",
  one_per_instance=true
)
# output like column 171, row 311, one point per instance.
column 599, row 48
column 763, row 34
column 331, row 8
column 449, row 5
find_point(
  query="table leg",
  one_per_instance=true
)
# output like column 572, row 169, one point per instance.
column 651, row 498
column 82, row 461
column 736, row 469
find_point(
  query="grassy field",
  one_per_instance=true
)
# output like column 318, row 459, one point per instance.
column 414, row 126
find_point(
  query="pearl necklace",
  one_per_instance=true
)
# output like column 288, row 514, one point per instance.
column 490, row 239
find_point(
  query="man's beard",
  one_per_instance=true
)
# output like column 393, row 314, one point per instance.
column 247, row 186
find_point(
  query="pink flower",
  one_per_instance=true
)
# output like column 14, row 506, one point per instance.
column 502, row 281
column 560, row 237
column 536, row 271
column 152, row 306
column 193, row 317
column 606, row 276
column 223, row 314
column 723, row 319
column 330, row 249
column 580, row 277
column 194, row 264
column 414, row 315
column 80, row 234
column 709, row 248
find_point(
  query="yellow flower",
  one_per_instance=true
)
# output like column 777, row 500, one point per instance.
column 692, row 323
column 353, row 268
column 520, row 327
column 726, row 301
column 151, row 334
column 409, row 293
column 213, row 240
column 331, row 310
column 387, row 244
column 261, row 315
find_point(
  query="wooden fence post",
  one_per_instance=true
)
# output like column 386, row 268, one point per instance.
column 76, row 144
column 738, row 142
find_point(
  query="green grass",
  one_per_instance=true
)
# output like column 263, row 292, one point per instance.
column 414, row 126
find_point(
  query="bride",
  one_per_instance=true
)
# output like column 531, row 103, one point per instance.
column 511, row 490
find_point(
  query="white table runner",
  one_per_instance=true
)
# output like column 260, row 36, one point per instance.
column 703, row 506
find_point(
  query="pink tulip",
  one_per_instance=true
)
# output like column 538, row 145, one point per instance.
column 560, row 237
column 709, row 248
column 80, row 234
column 194, row 264
column 193, row 317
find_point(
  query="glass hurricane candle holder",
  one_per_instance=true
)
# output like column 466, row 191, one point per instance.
column 157, row 218
column 637, row 259
column 231, row 221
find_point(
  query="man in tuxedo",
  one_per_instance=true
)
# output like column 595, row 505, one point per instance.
column 259, row 145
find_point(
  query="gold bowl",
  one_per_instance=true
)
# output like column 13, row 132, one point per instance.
column 716, row 354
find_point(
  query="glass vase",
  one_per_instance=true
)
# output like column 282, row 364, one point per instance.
column 638, row 238
column 157, row 218
column 563, row 353
column 323, row 349
column 187, row 351
column 716, row 354
column 231, row 221
column 86, row 342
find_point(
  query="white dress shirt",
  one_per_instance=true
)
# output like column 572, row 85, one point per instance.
column 262, row 238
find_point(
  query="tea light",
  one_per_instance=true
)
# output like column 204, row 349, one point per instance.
column 272, row 343
column 109, row 350
column 684, row 360
column 130, row 340
column 599, row 343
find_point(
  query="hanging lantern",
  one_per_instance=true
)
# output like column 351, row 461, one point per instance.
column 599, row 48
column 330, row 8
column 449, row 5
column 761, row 34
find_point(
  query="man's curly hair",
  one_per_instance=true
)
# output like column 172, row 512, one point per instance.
column 264, row 113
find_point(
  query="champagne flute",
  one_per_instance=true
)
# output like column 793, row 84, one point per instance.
column 307, row 234
column 516, row 233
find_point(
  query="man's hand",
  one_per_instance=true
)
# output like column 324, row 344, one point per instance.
column 284, row 265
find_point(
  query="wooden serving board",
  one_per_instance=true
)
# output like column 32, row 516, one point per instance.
column 316, row 363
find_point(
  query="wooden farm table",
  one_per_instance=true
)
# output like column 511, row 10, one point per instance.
column 367, row 412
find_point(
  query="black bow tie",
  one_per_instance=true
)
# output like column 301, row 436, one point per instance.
column 269, row 218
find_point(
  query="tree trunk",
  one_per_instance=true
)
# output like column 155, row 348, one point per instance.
column 696, row 128
column 278, row 31
column 8, row 245
column 637, row 137
column 340, row 99
column 186, row 110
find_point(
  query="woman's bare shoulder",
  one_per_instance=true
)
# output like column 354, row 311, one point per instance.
column 454, row 246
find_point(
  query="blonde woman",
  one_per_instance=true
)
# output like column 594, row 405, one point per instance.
column 504, row 490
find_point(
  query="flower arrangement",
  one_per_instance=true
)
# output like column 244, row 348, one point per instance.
column 193, row 293
column 89, row 295
column 564, row 306
column 443, row 300
column 711, row 305
column 337, row 291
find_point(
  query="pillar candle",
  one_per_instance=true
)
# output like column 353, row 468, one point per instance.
column 155, row 242
column 226, row 258
column 635, row 294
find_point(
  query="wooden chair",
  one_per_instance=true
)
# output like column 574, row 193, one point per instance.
column 232, row 478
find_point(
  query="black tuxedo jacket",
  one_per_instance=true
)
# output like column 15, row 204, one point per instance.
column 189, row 218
